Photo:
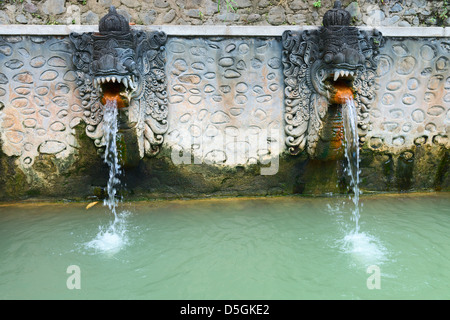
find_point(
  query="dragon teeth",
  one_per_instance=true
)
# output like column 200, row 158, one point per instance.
column 336, row 76
column 342, row 73
column 127, row 81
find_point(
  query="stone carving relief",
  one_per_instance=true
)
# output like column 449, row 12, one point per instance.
column 39, row 107
column 314, row 63
column 413, row 107
column 224, row 98
column 132, row 62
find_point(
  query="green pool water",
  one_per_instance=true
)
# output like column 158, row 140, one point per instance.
column 252, row 248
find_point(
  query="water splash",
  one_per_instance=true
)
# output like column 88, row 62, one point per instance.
column 113, row 237
column 364, row 248
column 352, row 155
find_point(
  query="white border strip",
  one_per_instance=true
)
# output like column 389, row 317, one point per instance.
column 216, row 30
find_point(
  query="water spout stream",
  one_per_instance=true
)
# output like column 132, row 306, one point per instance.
column 110, row 127
column 364, row 247
column 352, row 155
column 113, row 237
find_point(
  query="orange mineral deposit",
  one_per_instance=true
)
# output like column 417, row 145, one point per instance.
column 342, row 94
column 113, row 95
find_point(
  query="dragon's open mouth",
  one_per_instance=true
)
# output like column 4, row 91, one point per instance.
column 339, row 85
column 128, row 81
column 116, row 87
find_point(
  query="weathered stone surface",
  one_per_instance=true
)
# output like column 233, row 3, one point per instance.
column 296, row 19
column 52, row 147
column 229, row 16
column 354, row 9
column 4, row 18
column 90, row 18
column 106, row 3
column 276, row 15
column 215, row 100
column 410, row 109
column 242, row 3
column 124, row 12
column 148, row 17
column 131, row 3
column 193, row 13
column 161, row 3
column 253, row 17
column 54, row 7
column 73, row 15
column 21, row 19
column 169, row 16
column 30, row 7
column 37, row 121
column 298, row 5
column 375, row 17
column 420, row 3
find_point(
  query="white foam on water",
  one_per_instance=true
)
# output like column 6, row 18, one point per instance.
column 112, row 238
column 107, row 242
column 364, row 248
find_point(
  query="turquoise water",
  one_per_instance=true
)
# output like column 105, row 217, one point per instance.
column 253, row 248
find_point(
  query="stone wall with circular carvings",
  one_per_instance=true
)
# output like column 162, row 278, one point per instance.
column 225, row 98
column 38, row 92
column 413, row 104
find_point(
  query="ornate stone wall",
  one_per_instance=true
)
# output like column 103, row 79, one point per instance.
column 225, row 98
column 413, row 95
column 40, row 103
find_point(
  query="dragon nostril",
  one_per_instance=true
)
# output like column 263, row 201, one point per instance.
column 339, row 58
column 353, row 57
column 130, row 65
column 328, row 58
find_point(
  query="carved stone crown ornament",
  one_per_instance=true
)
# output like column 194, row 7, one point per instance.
column 315, row 63
column 128, row 61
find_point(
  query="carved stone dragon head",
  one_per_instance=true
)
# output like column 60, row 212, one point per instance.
column 317, row 64
column 120, row 62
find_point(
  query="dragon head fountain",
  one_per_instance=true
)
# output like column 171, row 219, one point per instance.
column 323, row 68
column 127, row 67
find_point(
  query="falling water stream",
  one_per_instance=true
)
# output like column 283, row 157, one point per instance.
column 362, row 245
column 352, row 156
column 113, row 237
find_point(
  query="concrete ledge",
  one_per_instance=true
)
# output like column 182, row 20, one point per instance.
column 217, row 30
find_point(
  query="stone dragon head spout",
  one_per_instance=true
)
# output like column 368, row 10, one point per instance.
column 322, row 69
column 126, row 67
column 114, row 56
